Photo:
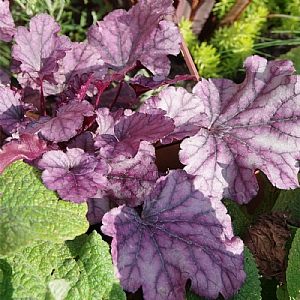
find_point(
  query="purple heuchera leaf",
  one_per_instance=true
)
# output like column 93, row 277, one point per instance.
column 131, row 179
column 180, row 235
column 12, row 110
column 69, row 119
column 247, row 126
column 7, row 25
column 39, row 48
column 129, row 131
column 123, row 38
column 183, row 107
column 4, row 78
column 75, row 175
column 27, row 147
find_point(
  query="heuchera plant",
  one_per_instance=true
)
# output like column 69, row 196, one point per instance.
column 76, row 118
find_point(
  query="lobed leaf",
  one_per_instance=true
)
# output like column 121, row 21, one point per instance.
column 39, row 48
column 7, row 25
column 123, row 38
column 180, row 235
column 68, row 121
column 75, row 175
column 247, row 126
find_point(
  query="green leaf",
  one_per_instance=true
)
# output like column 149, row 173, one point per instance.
column 30, row 212
column 240, row 222
column 73, row 270
column 293, row 270
column 251, row 288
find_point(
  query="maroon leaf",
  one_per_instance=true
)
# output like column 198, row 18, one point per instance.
column 27, row 147
column 244, row 127
column 180, row 235
column 123, row 38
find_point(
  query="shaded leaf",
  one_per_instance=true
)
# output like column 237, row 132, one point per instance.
column 179, row 235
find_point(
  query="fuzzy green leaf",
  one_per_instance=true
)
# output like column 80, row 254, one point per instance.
column 292, row 272
column 30, row 212
column 73, row 270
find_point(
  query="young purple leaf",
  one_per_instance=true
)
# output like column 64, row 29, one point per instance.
column 27, row 147
column 75, row 175
column 7, row 25
column 131, row 179
column 123, row 38
column 69, row 119
column 12, row 110
column 129, row 131
column 247, row 126
column 39, row 48
column 184, row 108
column 180, row 235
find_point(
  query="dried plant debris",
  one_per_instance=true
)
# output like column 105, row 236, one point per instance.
column 266, row 240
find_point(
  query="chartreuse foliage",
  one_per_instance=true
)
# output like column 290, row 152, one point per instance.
column 75, row 270
column 30, row 212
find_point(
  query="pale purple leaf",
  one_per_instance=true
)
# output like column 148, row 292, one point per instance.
column 39, row 48
column 75, row 175
column 123, row 38
column 68, row 121
column 27, row 147
column 12, row 110
column 247, row 126
column 7, row 25
column 180, row 235
column 129, row 131
column 183, row 107
column 131, row 179
column 81, row 59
